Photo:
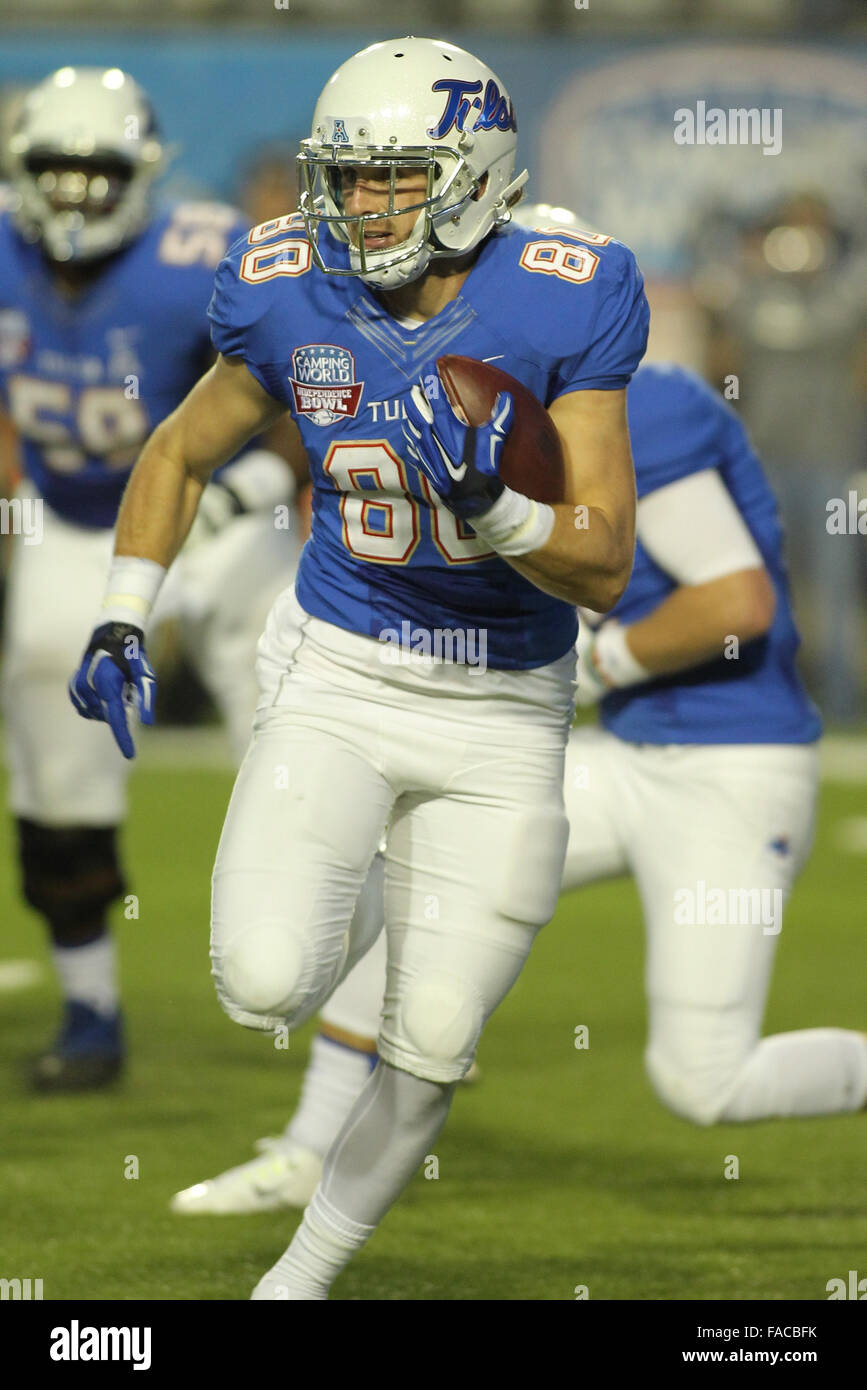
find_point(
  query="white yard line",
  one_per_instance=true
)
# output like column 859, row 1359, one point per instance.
column 844, row 756
column 184, row 748
column 19, row 974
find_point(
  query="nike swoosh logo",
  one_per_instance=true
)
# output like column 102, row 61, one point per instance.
column 459, row 473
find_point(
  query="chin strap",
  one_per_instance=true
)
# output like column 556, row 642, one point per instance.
column 506, row 201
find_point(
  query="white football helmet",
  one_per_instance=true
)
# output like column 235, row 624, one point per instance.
column 83, row 154
column 405, row 104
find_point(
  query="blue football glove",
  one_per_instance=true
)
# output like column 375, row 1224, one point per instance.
column 460, row 462
column 114, row 677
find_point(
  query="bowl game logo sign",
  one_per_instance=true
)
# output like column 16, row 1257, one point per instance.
column 645, row 145
column 323, row 383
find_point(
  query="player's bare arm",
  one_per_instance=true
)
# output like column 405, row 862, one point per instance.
column 222, row 412
column 697, row 621
column 588, row 557
column 720, row 590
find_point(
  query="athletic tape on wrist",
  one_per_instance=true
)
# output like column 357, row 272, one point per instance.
column 133, row 585
column 515, row 524
column 613, row 659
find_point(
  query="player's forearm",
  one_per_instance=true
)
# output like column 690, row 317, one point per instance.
column 696, row 623
column 222, row 412
column 588, row 565
column 159, row 504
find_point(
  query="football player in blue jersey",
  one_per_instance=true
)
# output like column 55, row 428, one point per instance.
column 403, row 250
column 103, row 329
column 701, row 783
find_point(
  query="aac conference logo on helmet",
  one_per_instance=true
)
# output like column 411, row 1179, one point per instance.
column 323, row 383
column 495, row 111
column 338, row 134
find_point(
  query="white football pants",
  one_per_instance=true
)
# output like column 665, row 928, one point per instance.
column 715, row 837
column 465, row 768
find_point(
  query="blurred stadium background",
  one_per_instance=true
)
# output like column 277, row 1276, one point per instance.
column 755, row 265
column 755, row 262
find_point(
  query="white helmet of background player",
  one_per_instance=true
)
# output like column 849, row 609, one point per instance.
column 412, row 103
column 83, row 154
column 544, row 216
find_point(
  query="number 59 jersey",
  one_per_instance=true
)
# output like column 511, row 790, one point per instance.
column 87, row 378
column 561, row 311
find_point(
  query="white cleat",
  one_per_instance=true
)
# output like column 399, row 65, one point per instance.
column 282, row 1176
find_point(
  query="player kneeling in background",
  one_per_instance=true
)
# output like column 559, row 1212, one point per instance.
column 103, row 304
column 703, row 778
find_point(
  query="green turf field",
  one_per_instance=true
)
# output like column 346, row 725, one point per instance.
column 559, row 1170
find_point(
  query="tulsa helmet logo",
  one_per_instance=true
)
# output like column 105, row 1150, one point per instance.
column 495, row 111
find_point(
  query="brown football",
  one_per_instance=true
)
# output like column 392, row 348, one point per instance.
column 532, row 459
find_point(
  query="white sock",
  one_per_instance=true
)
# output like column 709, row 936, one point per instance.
column 816, row 1071
column 88, row 974
column 335, row 1077
column 321, row 1247
column 391, row 1127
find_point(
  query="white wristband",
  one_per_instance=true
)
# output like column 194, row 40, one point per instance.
column 613, row 659
column 133, row 585
column 515, row 524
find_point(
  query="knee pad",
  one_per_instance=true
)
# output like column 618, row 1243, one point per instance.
column 441, row 1017
column 260, row 976
column 261, row 968
column 698, row 1094
column 70, row 874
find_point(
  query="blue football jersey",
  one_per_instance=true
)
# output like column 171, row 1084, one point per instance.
column 679, row 426
column 561, row 313
column 86, row 378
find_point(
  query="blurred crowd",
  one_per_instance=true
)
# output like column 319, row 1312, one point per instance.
column 784, row 297
column 413, row 16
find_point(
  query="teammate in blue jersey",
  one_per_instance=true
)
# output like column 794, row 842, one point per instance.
column 102, row 330
column 402, row 252
column 701, row 783
column 702, row 780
